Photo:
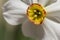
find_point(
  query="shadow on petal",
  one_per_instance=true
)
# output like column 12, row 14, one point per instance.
column 31, row 30
column 55, row 19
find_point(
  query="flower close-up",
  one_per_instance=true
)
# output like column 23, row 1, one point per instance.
column 40, row 19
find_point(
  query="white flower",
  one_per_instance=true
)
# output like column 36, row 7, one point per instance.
column 14, row 12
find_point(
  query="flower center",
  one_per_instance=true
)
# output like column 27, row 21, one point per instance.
column 36, row 13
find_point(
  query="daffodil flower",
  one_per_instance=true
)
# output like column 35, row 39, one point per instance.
column 40, row 19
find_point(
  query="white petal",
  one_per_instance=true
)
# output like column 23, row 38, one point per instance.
column 58, row 0
column 14, row 11
column 53, row 11
column 14, row 17
column 53, row 7
column 33, row 1
column 54, row 18
column 45, row 31
column 15, row 4
column 50, row 2
column 31, row 30
column 52, row 28
column 43, row 2
column 26, row 1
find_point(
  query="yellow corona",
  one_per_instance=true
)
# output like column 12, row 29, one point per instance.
column 36, row 13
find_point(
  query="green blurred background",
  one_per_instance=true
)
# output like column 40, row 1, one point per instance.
column 8, row 32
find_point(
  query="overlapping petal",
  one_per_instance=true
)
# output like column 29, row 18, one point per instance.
column 14, row 12
column 44, row 31
column 31, row 30
column 53, row 29
column 15, row 4
column 43, row 2
column 14, row 17
column 53, row 11
column 53, row 26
